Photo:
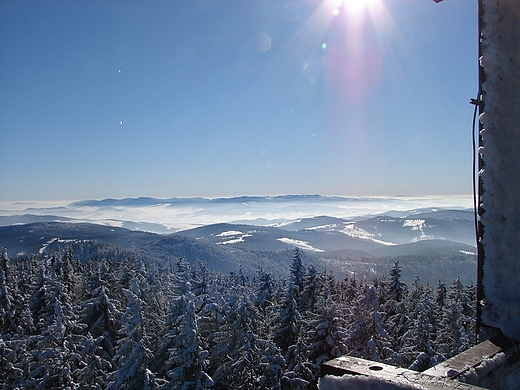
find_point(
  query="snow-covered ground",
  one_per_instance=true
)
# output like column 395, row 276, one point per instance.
column 300, row 244
column 353, row 231
column 232, row 237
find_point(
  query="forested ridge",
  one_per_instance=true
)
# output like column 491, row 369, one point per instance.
column 114, row 321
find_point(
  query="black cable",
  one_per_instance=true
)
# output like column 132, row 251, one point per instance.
column 475, row 102
column 475, row 137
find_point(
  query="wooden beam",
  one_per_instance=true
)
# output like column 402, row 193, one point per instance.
column 390, row 375
column 486, row 364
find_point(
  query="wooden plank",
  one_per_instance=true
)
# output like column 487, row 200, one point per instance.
column 469, row 358
column 472, row 357
column 388, row 374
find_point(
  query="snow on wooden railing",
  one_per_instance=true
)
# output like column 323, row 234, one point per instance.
column 493, row 364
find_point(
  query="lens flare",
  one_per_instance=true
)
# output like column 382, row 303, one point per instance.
column 353, row 63
column 357, row 6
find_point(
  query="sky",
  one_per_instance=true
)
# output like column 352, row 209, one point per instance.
column 223, row 98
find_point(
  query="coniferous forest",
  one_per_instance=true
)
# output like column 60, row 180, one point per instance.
column 114, row 321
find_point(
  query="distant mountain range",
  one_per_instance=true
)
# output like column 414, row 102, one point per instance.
column 165, row 216
column 361, row 236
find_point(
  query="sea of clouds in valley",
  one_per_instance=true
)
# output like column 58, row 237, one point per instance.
column 174, row 214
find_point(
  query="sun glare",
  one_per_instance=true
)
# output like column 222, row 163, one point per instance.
column 356, row 6
column 356, row 11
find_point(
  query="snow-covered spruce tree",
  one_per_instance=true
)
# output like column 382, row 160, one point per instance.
column 457, row 326
column 264, row 291
column 418, row 343
column 440, row 295
column 123, row 275
column 133, row 374
column 327, row 330
column 235, row 349
column 132, row 355
column 438, row 303
column 154, row 288
column 396, row 311
column 297, row 274
column 7, row 323
column 248, row 366
column 271, row 367
column 186, row 360
column 101, row 315
column 102, row 319
column 63, row 269
column 19, row 336
column 12, row 343
column 289, row 336
column 39, row 300
column 367, row 335
column 55, row 347
column 398, row 323
column 351, row 290
column 397, row 290
column 297, row 374
column 10, row 374
column 287, row 331
column 309, row 296
column 266, row 302
column 20, row 275
column 93, row 363
column 182, row 288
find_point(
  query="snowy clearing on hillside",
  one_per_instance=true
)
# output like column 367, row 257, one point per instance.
column 229, row 233
column 415, row 224
column 352, row 231
column 300, row 244
column 52, row 240
column 330, row 227
column 238, row 237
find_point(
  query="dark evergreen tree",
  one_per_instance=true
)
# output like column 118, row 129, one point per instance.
column 101, row 315
column 7, row 323
column 55, row 343
column 309, row 296
column 287, row 331
column 297, row 274
column 328, row 330
column 396, row 289
column 186, row 360
column 265, row 291
column 418, row 349
column 440, row 295
column 132, row 355
column 133, row 373
column 368, row 337
column 458, row 321
column 297, row 375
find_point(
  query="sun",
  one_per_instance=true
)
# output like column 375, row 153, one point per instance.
column 355, row 9
column 357, row 6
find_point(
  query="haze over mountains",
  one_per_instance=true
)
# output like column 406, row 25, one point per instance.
column 174, row 214
column 354, row 235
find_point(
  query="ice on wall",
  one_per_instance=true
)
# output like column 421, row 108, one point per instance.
column 501, row 173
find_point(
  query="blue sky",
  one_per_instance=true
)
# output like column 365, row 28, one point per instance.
column 220, row 98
